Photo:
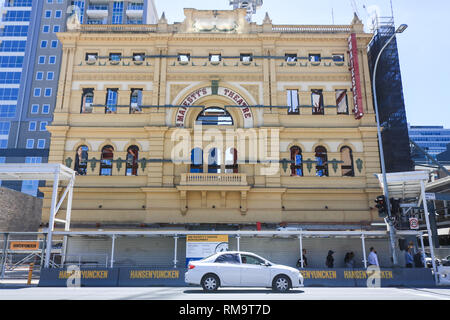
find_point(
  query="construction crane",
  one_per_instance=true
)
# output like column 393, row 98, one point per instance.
column 355, row 7
column 250, row 5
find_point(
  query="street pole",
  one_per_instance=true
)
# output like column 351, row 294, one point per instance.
column 388, row 220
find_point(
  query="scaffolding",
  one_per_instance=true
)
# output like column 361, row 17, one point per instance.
column 390, row 98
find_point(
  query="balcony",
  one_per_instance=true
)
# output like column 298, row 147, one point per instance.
column 135, row 11
column 213, row 179
column 97, row 11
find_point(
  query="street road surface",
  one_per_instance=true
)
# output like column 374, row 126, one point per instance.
column 10, row 292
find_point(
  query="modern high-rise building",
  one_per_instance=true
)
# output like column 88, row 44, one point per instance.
column 30, row 59
column 391, row 104
column 432, row 139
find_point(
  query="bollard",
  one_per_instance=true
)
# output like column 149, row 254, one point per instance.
column 30, row 273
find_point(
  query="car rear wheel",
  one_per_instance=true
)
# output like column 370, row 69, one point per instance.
column 281, row 283
column 210, row 283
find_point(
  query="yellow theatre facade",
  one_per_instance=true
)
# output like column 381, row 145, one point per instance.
column 216, row 120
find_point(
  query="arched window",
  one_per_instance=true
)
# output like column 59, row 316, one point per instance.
column 87, row 99
column 322, row 162
column 196, row 160
column 231, row 165
column 214, row 161
column 132, row 161
column 297, row 162
column 347, row 167
column 81, row 159
column 215, row 116
column 106, row 161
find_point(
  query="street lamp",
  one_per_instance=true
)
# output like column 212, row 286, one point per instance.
column 388, row 221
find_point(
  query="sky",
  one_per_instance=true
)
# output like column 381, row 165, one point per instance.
column 423, row 48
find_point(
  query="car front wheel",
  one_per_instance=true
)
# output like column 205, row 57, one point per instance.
column 210, row 283
column 281, row 283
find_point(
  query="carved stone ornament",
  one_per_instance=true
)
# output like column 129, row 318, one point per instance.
column 73, row 21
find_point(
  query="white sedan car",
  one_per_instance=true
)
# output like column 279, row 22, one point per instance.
column 241, row 269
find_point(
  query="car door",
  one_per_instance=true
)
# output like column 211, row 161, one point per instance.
column 228, row 269
column 254, row 271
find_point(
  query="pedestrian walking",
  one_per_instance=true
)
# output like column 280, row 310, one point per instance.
column 330, row 260
column 373, row 258
column 418, row 259
column 305, row 260
column 409, row 260
column 349, row 260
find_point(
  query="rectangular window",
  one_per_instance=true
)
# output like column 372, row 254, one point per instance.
column 115, row 57
column 48, row 14
column 290, row 57
column 215, row 58
column 39, row 75
column 41, row 144
column 56, row 28
column 34, row 109
column 32, row 126
column 30, row 144
column 4, row 133
column 246, row 57
column 31, row 186
column 7, row 111
column 91, row 57
column 317, row 101
column 14, row 15
column 117, row 17
column 43, row 126
column 52, row 59
column 44, row 44
column 111, row 101
column 2, row 160
column 341, row 101
column 58, row 14
column 46, row 109
column 184, row 57
column 315, row 58
column 41, row 60
column 10, row 77
column 9, row 93
column 338, row 57
column 11, row 62
column 292, row 101
column 54, row 43
column 48, row 92
column 13, row 46
column 46, row 29
column 37, row 92
column 50, row 75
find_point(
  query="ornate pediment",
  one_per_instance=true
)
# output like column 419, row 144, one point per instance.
column 217, row 21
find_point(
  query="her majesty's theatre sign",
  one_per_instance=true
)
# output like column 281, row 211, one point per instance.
column 221, row 91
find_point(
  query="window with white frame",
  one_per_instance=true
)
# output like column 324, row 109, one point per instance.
column 292, row 101
column 41, row 144
column 32, row 126
column 30, row 144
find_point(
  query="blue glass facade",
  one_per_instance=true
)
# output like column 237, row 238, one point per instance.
column 433, row 139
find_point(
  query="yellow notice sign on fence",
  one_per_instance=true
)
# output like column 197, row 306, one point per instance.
column 207, row 238
column 24, row 245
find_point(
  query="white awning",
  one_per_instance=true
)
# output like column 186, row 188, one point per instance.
column 34, row 171
column 404, row 184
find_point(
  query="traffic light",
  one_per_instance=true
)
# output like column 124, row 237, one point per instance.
column 381, row 206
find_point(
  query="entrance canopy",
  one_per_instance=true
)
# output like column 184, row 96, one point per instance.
column 51, row 172
column 34, row 171
column 402, row 185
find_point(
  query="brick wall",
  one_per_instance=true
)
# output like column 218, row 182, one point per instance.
column 19, row 212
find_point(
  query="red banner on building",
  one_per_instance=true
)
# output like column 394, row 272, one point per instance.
column 356, row 78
